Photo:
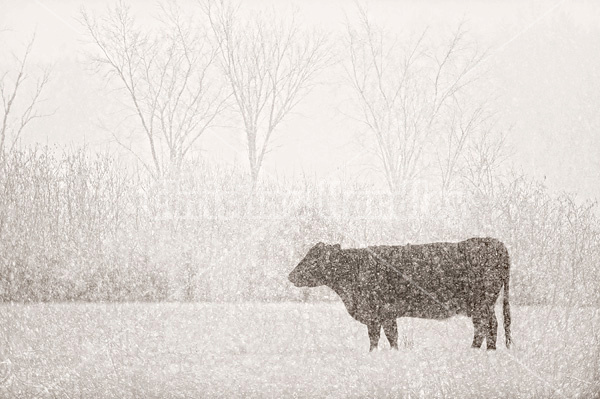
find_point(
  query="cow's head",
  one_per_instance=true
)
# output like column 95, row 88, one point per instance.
column 314, row 270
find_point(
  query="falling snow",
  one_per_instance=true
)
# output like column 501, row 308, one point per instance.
column 164, row 169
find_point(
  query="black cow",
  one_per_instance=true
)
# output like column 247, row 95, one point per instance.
column 433, row 281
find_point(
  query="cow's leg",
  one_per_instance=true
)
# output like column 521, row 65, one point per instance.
column 374, row 331
column 390, row 327
column 492, row 330
column 479, row 327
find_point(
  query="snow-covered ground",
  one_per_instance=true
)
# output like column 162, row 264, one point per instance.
column 282, row 350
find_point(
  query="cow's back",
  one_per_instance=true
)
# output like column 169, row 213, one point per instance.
column 427, row 280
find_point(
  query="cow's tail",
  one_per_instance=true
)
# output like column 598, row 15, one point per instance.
column 506, row 304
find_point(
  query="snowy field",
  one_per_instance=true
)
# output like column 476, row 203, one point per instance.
column 286, row 350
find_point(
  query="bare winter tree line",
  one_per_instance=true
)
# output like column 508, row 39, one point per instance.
column 182, row 76
column 416, row 99
column 21, row 92
column 79, row 227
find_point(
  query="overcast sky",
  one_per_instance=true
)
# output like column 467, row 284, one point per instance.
column 544, row 70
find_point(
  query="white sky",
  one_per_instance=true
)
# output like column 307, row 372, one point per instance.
column 545, row 72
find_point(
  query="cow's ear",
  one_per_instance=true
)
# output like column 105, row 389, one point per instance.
column 318, row 249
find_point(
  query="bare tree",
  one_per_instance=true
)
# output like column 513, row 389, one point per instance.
column 21, row 95
column 168, row 76
column 270, row 64
column 408, row 96
column 484, row 155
